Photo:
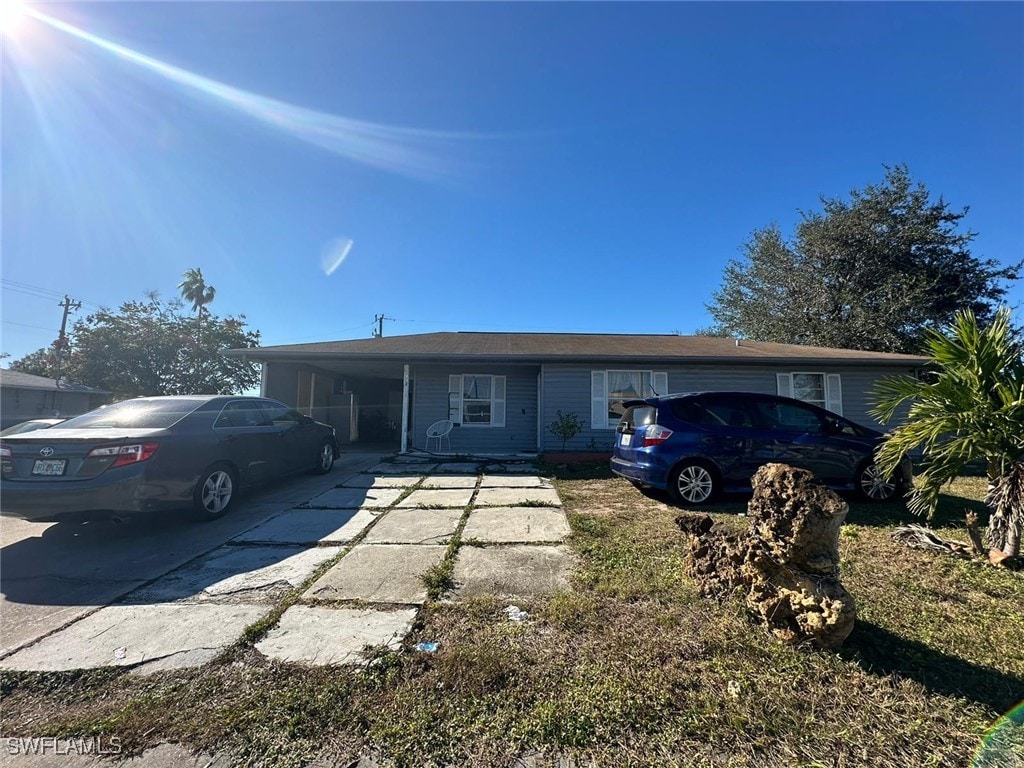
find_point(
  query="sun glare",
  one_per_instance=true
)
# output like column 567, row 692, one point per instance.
column 12, row 14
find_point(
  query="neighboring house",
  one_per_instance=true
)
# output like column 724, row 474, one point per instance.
column 24, row 396
column 504, row 389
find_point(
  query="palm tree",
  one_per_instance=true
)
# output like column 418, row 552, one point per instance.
column 969, row 407
column 195, row 290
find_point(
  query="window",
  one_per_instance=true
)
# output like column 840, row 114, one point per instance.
column 241, row 413
column 476, row 400
column 610, row 389
column 280, row 414
column 786, row 417
column 821, row 389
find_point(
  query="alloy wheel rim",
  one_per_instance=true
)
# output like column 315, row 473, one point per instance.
column 326, row 456
column 694, row 484
column 217, row 492
column 875, row 485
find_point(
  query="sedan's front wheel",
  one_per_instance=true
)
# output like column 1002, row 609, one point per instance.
column 324, row 458
column 214, row 492
column 693, row 483
column 874, row 486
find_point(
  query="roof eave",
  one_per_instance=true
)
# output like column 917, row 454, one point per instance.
column 524, row 359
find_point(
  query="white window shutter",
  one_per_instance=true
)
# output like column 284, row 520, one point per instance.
column 598, row 401
column 498, row 402
column 785, row 384
column 455, row 398
column 660, row 383
column 834, row 393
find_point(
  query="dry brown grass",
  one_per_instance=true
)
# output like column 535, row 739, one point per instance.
column 629, row 668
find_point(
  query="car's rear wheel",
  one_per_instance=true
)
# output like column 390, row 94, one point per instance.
column 692, row 483
column 214, row 492
column 324, row 458
column 872, row 485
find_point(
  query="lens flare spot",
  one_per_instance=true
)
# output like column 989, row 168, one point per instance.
column 334, row 254
column 12, row 14
column 1004, row 740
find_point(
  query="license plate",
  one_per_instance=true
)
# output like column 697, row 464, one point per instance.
column 625, row 439
column 48, row 467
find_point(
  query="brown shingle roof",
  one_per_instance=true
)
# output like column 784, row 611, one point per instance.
column 568, row 346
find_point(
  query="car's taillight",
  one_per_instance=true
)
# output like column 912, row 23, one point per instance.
column 125, row 454
column 656, row 435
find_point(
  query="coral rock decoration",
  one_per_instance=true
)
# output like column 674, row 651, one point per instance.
column 786, row 564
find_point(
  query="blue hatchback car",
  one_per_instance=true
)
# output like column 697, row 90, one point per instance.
column 698, row 445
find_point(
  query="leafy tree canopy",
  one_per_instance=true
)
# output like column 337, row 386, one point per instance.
column 150, row 347
column 874, row 272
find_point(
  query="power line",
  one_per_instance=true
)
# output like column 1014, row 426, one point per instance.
column 26, row 325
column 39, row 292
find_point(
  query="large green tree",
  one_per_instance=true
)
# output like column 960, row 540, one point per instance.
column 873, row 272
column 149, row 347
column 969, row 407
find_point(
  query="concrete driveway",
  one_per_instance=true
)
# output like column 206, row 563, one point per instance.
column 168, row 593
column 52, row 574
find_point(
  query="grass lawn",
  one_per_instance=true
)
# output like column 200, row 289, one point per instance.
column 631, row 668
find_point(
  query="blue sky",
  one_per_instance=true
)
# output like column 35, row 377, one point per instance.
column 536, row 167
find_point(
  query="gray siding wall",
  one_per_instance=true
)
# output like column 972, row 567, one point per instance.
column 430, row 404
column 18, row 405
column 567, row 388
column 282, row 382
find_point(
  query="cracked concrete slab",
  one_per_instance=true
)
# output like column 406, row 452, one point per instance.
column 458, row 468
column 507, row 525
column 150, row 637
column 514, row 571
column 437, row 497
column 515, row 481
column 310, row 526
column 511, row 497
column 385, row 468
column 510, row 468
column 250, row 574
column 326, row 636
column 450, row 481
column 415, row 526
column 356, row 498
column 381, row 481
column 379, row 573
column 413, row 458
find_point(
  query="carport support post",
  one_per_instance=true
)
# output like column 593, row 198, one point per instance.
column 405, row 408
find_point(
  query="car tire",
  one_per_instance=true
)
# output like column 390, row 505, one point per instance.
column 873, row 486
column 324, row 458
column 214, row 492
column 693, row 482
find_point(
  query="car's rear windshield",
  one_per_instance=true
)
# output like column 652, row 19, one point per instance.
column 134, row 414
column 639, row 416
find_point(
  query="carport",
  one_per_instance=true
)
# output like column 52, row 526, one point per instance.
column 367, row 402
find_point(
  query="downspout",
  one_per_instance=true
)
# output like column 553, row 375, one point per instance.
column 405, row 409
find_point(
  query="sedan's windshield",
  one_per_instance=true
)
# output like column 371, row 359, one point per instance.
column 135, row 414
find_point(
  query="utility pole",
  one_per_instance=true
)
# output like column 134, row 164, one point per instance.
column 62, row 340
column 379, row 320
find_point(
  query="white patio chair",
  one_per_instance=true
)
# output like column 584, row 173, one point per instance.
column 439, row 431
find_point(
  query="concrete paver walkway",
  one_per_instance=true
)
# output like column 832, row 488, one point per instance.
column 389, row 524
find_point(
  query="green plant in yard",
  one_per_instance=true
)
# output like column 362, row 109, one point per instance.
column 565, row 427
column 969, row 407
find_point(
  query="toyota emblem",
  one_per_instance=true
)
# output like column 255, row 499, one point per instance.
column 46, row 451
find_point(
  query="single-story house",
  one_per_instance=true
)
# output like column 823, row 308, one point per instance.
column 502, row 390
column 24, row 396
